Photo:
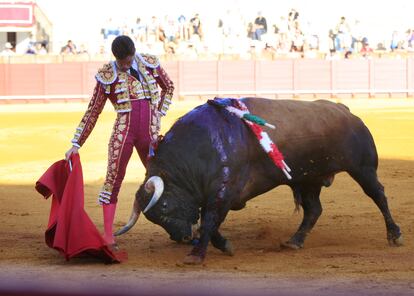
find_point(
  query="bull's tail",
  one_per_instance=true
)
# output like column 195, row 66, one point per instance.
column 297, row 196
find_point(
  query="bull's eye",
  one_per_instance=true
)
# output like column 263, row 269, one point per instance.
column 164, row 207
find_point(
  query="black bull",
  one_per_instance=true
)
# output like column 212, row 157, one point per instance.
column 210, row 162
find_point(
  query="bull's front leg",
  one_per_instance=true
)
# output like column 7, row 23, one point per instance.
column 211, row 217
column 222, row 243
column 209, row 226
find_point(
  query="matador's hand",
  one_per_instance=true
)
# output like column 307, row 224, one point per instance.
column 73, row 150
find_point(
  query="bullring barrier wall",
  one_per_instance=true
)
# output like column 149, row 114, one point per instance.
column 285, row 78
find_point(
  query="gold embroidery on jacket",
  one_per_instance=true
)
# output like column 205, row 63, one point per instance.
column 150, row 84
column 107, row 74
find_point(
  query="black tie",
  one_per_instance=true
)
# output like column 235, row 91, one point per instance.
column 134, row 73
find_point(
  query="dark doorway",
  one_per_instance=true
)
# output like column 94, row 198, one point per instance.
column 12, row 38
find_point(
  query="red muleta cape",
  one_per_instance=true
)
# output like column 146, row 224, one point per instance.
column 70, row 230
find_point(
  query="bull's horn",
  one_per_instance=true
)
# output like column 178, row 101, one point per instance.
column 154, row 183
column 132, row 220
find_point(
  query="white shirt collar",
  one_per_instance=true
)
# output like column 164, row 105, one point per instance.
column 135, row 65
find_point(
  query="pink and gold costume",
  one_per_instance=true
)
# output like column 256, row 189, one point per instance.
column 136, row 98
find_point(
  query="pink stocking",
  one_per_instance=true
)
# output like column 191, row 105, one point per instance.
column 109, row 215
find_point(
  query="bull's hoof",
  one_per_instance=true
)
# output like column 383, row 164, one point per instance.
column 192, row 260
column 228, row 248
column 396, row 242
column 290, row 245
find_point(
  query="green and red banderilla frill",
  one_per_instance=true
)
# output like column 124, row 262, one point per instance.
column 254, row 122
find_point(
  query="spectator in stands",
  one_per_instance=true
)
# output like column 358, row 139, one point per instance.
column 381, row 47
column 183, row 28
column 268, row 52
column 139, row 31
column 41, row 48
column 83, row 49
column 196, row 28
column 170, row 49
column 101, row 50
column 110, row 30
column 331, row 40
column 283, row 30
column 69, row 48
column 396, row 42
column 170, row 29
column 125, row 29
column 31, row 49
column 348, row 54
column 260, row 26
column 153, row 31
column 410, row 39
column 298, row 39
column 252, row 53
column 44, row 41
column 366, row 51
column 131, row 83
column 250, row 30
column 293, row 15
column 26, row 45
column 343, row 35
column 357, row 36
column 293, row 18
column 8, row 49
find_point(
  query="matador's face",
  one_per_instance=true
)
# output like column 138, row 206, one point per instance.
column 125, row 64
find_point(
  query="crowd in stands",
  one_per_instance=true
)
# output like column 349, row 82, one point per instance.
column 27, row 46
column 190, row 37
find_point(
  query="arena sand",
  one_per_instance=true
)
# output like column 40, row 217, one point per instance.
column 346, row 253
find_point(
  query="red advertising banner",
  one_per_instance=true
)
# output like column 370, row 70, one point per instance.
column 16, row 14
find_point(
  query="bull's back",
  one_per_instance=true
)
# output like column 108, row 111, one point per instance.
column 319, row 137
column 302, row 119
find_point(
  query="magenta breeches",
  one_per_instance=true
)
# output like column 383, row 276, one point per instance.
column 131, row 130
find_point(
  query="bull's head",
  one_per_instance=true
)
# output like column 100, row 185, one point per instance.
column 167, row 206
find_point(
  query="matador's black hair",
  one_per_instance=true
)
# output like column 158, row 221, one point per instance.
column 123, row 46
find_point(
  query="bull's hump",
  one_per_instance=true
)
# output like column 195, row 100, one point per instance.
column 202, row 120
column 297, row 120
column 292, row 108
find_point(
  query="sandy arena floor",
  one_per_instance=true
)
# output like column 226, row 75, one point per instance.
column 347, row 252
